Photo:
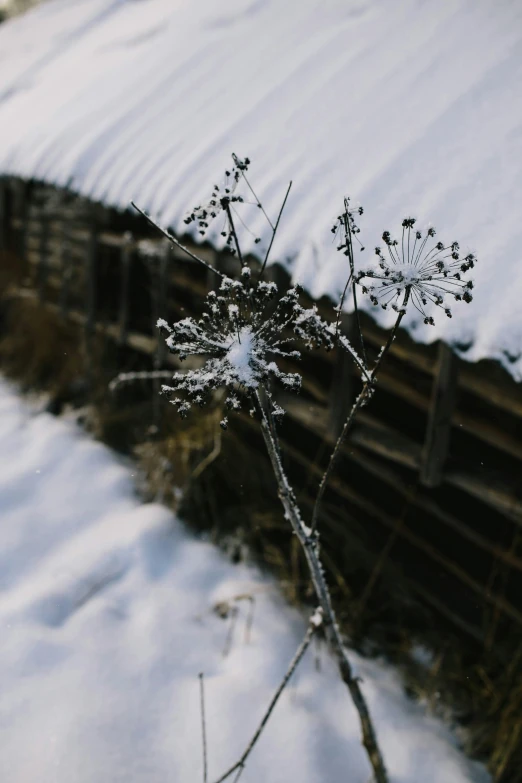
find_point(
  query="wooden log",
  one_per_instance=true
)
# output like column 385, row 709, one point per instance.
column 444, row 395
column 125, row 270
column 472, row 377
column 66, row 270
column 374, row 510
column 387, row 442
column 42, row 262
column 397, row 384
column 426, row 505
column 20, row 210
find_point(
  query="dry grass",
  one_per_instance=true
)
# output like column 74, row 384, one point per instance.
column 38, row 349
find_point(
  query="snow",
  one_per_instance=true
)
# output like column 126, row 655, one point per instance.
column 239, row 355
column 106, row 609
column 412, row 108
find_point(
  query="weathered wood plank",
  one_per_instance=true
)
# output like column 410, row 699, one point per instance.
column 126, row 256
column 20, row 213
column 65, row 269
column 342, row 390
column 43, row 269
column 487, row 431
column 425, row 504
column 373, row 510
column 389, row 443
column 443, row 399
column 506, row 396
column 90, row 281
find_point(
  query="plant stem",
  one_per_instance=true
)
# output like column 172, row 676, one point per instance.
column 366, row 392
column 274, row 231
column 175, row 241
column 310, row 545
column 349, row 247
column 233, row 229
column 257, row 200
column 203, row 725
column 240, row 764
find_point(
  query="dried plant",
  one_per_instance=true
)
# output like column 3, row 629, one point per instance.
column 248, row 324
column 242, row 336
column 429, row 273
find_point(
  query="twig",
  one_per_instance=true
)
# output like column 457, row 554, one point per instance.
column 345, row 343
column 230, row 634
column 310, row 544
column 349, row 247
column 366, row 392
column 176, row 242
column 313, row 625
column 203, row 725
column 275, row 231
column 340, row 306
column 146, row 375
column 261, row 207
column 250, row 618
column 211, row 456
column 234, row 234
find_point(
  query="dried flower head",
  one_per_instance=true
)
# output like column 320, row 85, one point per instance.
column 346, row 226
column 221, row 202
column 419, row 270
column 244, row 328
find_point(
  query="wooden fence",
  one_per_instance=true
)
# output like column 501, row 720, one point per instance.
column 432, row 468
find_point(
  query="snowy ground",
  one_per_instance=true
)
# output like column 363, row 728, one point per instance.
column 106, row 617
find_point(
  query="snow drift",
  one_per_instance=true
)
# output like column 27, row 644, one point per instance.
column 106, row 609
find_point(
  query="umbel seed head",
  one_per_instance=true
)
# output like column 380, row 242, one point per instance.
column 415, row 270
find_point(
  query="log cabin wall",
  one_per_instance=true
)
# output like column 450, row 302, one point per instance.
column 430, row 475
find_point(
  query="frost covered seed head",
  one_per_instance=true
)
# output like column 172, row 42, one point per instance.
column 346, row 227
column 223, row 200
column 416, row 266
column 244, row 328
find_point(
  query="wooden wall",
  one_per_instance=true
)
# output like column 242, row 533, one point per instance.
column 431, row 471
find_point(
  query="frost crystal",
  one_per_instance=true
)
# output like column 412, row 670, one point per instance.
column 244, row 328
column 427, row 273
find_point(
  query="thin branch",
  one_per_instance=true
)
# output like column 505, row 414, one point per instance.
column 175, row 241
column 345, row 343
column 341, row 303
column 203, row 725
column 146, row 375
column 349, row 248
column 230, row 633
column 274, row 232
column 313, row 625
column 310, row 544
column 250, row 619
column 257, row 200
column 234, row 234
column 366, row 392
column 211, row 456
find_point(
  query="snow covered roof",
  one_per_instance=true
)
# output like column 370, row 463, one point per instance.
column 411, row 107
